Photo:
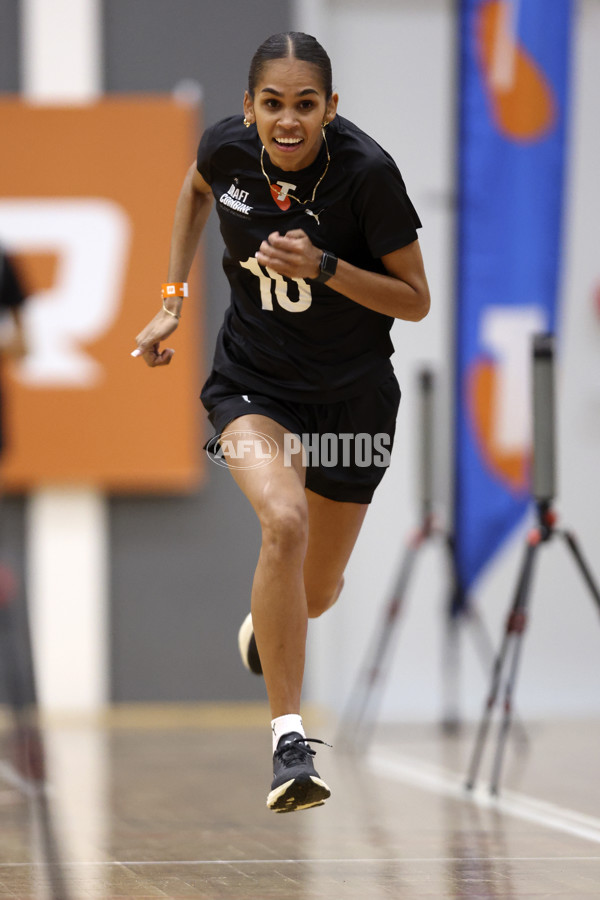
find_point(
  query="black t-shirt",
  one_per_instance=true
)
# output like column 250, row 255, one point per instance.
column 11, row 296
column 296, row 338
column 11, row 293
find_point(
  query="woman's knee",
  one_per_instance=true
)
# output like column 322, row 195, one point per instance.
column 321, row 598
column 284, row 523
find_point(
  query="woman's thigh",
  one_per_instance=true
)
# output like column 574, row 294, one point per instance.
column 333, row 528
column 272, row 480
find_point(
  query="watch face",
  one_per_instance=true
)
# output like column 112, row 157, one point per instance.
column 328, row 263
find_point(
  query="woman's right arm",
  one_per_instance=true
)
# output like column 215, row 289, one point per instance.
column 191, row 212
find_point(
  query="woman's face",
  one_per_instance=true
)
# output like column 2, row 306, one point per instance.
column 289, row 107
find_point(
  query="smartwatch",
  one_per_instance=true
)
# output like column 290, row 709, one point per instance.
column 327, row 267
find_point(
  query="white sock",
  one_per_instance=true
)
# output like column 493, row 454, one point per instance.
column 283, row 725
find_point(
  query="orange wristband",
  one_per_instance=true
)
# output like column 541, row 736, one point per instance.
column 175, row 289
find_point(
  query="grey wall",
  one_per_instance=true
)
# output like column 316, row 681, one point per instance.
column 182, row 567
column 9, row 45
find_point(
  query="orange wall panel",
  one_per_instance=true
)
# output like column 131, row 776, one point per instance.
column 87, row 197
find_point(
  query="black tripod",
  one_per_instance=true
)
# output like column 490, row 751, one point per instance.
column 359, row 717
column 26, row 744
column 544, row 531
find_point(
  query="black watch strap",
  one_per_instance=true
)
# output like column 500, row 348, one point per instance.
column 328, row 266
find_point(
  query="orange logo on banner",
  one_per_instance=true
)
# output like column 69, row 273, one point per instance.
column 522, row 98
column 87, row 196
column 482, row 396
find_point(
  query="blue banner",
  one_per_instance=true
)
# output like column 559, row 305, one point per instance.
column 514, row 64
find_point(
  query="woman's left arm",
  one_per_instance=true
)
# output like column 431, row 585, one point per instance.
column 401, row 293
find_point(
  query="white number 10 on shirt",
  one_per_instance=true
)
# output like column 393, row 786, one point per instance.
column 273, row 279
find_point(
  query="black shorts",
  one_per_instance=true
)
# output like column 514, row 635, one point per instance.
column 347, row 443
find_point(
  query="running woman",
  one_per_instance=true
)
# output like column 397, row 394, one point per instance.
column 321, row 255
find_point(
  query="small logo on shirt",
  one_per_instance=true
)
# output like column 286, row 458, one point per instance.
column 280, row 192
column 235, row 199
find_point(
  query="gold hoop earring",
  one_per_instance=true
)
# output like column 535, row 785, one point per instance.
column 325, row 123
column 247, row 123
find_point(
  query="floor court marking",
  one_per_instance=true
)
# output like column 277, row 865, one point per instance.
column 429, row 777
column 10, row 776
column 283, row 862
column 437, row 780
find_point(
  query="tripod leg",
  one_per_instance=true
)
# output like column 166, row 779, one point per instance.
column 484, row 724
column 49, row 846
column 506, row 718
column 451, row 669
column 369, row 679
column 519, row 621
column 512, row 619
column 456, row 609
column 485, row 649
column 15, row 686
column 26, row 742
column 575, row 549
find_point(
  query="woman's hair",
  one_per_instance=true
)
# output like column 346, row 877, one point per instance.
column 295, row 45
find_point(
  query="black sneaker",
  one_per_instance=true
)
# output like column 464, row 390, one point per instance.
column 247, row 645
column 296, row 784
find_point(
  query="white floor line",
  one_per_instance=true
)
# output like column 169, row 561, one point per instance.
column 437, row 780
column 10, row 776
column 373, row 860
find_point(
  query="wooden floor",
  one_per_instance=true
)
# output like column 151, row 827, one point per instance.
column 174, row 806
